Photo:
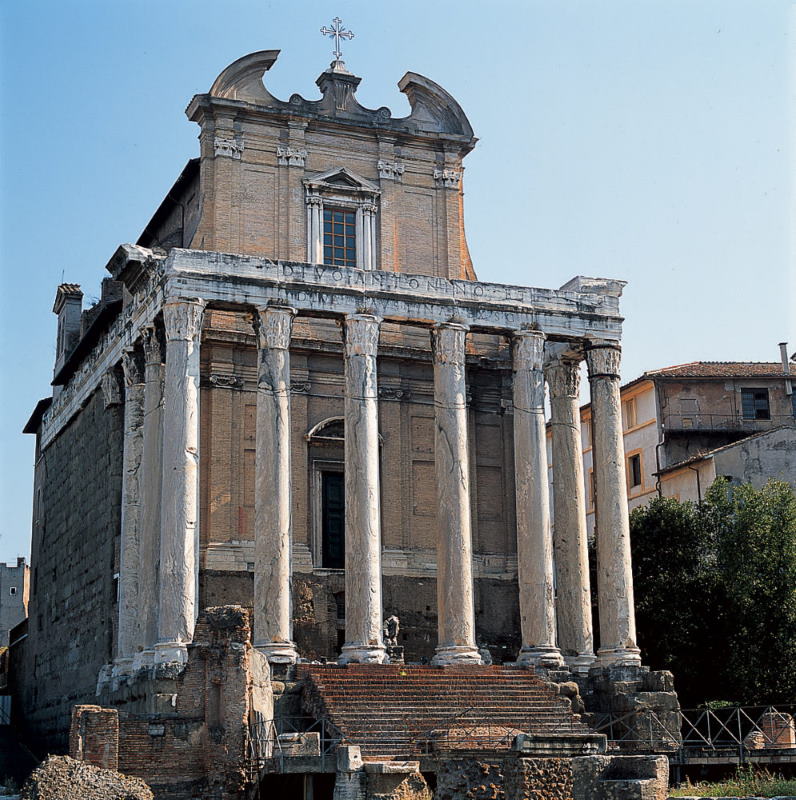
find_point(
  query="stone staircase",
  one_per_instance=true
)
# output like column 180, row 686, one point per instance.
column 397, row 711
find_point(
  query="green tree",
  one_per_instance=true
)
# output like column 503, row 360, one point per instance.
column 715, row 586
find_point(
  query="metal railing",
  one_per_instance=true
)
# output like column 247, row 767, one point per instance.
column 734, row 733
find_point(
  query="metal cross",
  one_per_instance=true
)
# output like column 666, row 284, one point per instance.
column 337, row 32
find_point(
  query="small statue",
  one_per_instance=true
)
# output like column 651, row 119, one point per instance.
column 391, row 627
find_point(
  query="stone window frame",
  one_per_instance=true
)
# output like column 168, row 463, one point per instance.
column 638, row 487
column 343, row 189
column 318, row 466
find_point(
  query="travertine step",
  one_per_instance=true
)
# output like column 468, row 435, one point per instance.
column 390, row 710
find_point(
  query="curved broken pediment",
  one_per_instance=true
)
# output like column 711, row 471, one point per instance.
column 433, row 109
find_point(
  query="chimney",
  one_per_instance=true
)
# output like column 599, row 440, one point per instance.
column 783, row 354
column 68, row 306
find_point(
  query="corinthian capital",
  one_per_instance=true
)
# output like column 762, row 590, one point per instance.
column 133, row 366
column 563, row 377
column 275, row 326
column 361, row 335
column 183, row 319
column 153, row 349
column 528, row 350
column 448, row 343
column 603, row 360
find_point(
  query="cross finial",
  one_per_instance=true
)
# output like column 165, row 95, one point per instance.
column 337, row 32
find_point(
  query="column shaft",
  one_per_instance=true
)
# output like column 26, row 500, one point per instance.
column 180, row 489
column 363, row 605
column 614, row 571
column 534, row 538
column 455, row 608
column 273, row 620
column 151, row 486
column 129, row 638
column 570, row 539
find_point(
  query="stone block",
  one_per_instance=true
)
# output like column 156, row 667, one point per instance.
column 349, row 758
column 300, row 744
column 660, row 680
column 620, row 778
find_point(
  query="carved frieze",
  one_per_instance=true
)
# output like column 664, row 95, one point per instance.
column 449, row 178
column 227, row 147
column 291, row 156
column 300, row 387
column 391, row 170
column 153, row 349
column 393, row 393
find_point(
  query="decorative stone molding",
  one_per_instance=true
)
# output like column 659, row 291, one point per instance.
column 290, row 156
column 183, row 319
column 133, row 367
column 391, row 170
column 275, row 326
column 449, row 178
column 300, row 387
column 361, row 335
column 447, row 343
column 226, row 381
column 111, row 388
column 603, row 361
column 563, row 377
column 391, row 393
column 229, row 148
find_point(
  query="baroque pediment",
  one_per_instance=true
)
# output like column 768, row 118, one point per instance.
column 433, row 110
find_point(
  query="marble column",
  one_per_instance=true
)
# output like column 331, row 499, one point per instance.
column 614, row 573
column 455, row 608
column 534, row 538
column 180, row 488
column 150, row 486
column 273, row 609
column 570, row 538
column 363, row 606
column 128, row 635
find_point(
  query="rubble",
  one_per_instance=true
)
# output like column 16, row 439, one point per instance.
column 64, row 778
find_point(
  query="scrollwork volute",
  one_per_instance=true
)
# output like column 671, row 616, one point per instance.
column 183, row 319
column 361, row 335
column 603, row 361
column 448, row 343
column 275, row 325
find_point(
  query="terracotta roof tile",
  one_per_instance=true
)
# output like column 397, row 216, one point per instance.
column 722, row 369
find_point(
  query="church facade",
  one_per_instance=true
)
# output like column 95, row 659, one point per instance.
column 296, row 397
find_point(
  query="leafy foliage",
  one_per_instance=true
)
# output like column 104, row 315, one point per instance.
column 715, row 586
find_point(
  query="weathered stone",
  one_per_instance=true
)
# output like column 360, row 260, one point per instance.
column 620, row 777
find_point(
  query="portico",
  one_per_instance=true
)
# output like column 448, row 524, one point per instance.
column 538, row 325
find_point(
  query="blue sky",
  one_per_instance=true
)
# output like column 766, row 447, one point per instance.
column 649, row 141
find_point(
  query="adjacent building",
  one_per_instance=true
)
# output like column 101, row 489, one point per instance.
column 14, row 592
column 685, row 425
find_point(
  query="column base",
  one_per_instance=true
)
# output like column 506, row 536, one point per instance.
column 278, row 652
column 456, row 654
column 171, row 653
column 581, row 663
column 540, row 657
column 618, row 657
column 362, row 654
column 143, row 659
column 122, row 666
